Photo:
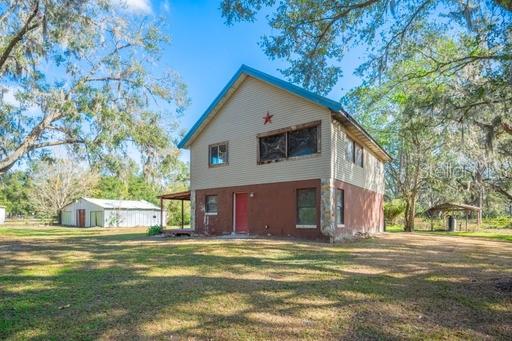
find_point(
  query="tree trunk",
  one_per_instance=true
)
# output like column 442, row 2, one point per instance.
column 479, row 213
column 410, row 213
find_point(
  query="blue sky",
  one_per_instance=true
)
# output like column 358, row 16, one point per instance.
column 207, row 53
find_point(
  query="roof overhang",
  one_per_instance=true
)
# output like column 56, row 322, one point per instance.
column 359, row 133
column 176, row 196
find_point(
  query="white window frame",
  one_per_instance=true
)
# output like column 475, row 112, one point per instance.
column 217, row 145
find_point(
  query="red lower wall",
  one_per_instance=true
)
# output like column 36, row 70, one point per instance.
column 364, row 210
column 271, row 211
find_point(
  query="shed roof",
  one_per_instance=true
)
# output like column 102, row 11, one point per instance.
column 122, row 204
column 335, row 107
column 450, row 206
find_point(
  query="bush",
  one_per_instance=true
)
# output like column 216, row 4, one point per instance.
column 501, row 222
column 154, row 230
column 393, row 209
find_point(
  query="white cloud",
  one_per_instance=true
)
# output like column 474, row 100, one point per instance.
column 137, row 6
column 166, row 7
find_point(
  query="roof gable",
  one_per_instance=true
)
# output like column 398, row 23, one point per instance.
column 243, row 72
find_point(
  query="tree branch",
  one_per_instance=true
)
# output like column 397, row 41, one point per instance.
column 28, row 142
column 19, row 36
column 56, row 143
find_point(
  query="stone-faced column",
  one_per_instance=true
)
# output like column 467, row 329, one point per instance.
column 327, row 208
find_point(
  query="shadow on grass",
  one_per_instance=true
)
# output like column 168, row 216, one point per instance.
column 123, row 286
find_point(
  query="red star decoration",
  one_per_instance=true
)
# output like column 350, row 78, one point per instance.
column 267, row 118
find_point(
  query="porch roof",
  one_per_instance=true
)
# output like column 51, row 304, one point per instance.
column 176, row 196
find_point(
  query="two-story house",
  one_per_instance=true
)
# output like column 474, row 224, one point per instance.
column 270, row 158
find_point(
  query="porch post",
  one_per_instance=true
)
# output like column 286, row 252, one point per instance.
column 182, row 214
column 161, row 213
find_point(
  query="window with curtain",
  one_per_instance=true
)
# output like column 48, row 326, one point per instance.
column 218, row 154
column 306, row 207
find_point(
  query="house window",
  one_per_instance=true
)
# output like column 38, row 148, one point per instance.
column 211, row 204
column 349, row 150
column 289, row 142
column 303, row 141
column 340, row 207
column 273, row 147
column 354, row 152
column 218, row 154
column 306, row 207
column 358, row 155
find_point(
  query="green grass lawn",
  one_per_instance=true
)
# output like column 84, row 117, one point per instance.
column 503, row 235
column 497, row 234
column 67, row 283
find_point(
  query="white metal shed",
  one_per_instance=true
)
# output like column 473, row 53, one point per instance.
column 89, row 212
column 2, row 214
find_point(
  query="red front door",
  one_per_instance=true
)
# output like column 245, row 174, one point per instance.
column 80, row 217
column 241, row 213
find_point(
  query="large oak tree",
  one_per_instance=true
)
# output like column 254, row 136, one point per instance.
column 86, row 75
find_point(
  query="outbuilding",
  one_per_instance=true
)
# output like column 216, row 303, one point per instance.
column 2, row 214
column 90, row 212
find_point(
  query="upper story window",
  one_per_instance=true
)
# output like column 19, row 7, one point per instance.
column 218, row 154
column 354, row 152
column 289, row 142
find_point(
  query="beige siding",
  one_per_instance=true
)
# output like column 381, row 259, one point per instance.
column 239, row 121
column 371, row 176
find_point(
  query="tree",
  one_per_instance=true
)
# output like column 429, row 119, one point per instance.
column 58, row 183
column 312, row 36
column 438, row 155
column 82, row 74
column 15, row 193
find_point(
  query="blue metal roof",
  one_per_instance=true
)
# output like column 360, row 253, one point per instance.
column 244, row 69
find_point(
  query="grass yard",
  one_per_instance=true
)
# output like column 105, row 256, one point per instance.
column 64, row 283
column 504, row 235
column 498, row 234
